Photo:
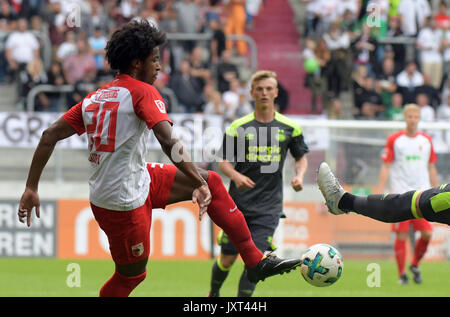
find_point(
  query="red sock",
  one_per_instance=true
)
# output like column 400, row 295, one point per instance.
column 224, row 213
column 120, row 285
column 400, row 255
column 420, row 249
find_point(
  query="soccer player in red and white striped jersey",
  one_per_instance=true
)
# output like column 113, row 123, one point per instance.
column 409, row 163
column 123, row 187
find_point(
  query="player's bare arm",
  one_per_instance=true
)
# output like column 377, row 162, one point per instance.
column 241, row 181
column 201, row 193
column 301, row 165
column 57, row 131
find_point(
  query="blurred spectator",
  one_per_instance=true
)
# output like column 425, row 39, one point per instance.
column 408, row 80
column 80, row 64
column 443, row 111
column 218, row 40
column 432, row 93
column 413, row 15
column 214, row 104
column 313, row 77
column 427, row 113
column 338, row 43
column 364, row 50
column 82, row 87
column 226, row 72
column 236, row 24
column 200, row 69
column 385, row 80
column 169, row 23
column 8, row 16
column 371, row 105
column 334, row 109
column 231, row 100
column 311, row 18
column 395, row 111
column 358, row 77
column 55, row 76
column 441, row 17
column 97, row 43
column 34, row 75
column 349, row 24
column 167, row 94
column 98, row 18
column 398, row 49
column 186, row 89
column 429, row 45
column 328, row 13
column 67, row 48
column 188, row 20
column 252, row 8
column 446, row 50
column 22, row 47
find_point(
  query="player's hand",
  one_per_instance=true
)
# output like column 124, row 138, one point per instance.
column 202, row 196
column 29, row 200
column 297, row 183
column 243, row 182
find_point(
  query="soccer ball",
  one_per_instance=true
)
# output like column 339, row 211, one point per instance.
column 322, row 265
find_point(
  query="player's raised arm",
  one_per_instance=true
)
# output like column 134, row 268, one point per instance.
column 57, row 131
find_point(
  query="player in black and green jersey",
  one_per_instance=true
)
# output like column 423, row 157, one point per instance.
column 253, row 154
column 432, row 204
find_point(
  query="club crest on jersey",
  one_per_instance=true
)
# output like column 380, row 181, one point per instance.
column 137, row 250
column 161, row 106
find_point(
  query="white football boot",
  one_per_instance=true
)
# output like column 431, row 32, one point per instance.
column 331, row 190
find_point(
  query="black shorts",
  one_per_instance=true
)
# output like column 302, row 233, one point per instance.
column 262, row 228
column 434, row 204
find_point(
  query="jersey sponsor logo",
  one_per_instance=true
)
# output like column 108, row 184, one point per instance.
column 233, row 209
column 161, row 106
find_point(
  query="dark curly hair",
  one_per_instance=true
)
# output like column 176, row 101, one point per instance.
column 134, row 40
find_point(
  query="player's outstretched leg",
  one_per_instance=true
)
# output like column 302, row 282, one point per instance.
column 331, row 190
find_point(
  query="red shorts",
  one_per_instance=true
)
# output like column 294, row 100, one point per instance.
column 418, row 225
column 128, row 232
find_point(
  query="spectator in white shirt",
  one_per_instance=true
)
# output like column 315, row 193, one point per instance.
column 427, row 113
column 429, row 44
column 21, row 48
column 412, row 15
column 408, row 80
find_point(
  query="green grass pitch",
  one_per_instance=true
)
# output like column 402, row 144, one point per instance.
column 22, row 277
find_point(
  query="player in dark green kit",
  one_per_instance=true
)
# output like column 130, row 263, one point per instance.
column 254, row 150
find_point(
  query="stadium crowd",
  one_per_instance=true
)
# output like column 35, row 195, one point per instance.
column 349, row 46
column 386, row 53
column 197, row 76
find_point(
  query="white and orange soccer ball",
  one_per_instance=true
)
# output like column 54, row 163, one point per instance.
column 322, row 265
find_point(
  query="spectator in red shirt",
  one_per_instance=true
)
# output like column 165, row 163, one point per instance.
column 441, row 17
